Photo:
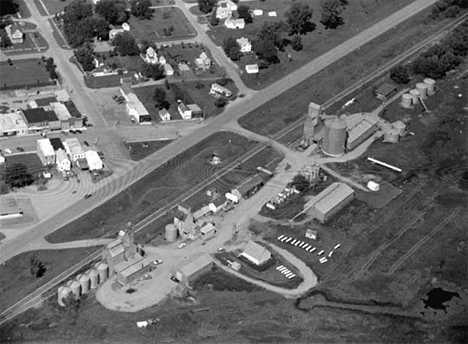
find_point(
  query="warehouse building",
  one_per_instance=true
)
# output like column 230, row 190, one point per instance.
column 12, row 124
column 93, row 160
column 360, row 127
column 46, row 152
column 330, row 201
column 250, row 186
column 131, row 269
column 198, row 265
column 39, row 119
column 74, row 149
column 256, row 253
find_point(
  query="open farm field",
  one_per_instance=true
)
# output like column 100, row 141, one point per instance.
column 23, row 73
column 156, row 189
column 292, row 104
column 158, row 27
column 16, row 282
column 225, row 317
column 358, row 16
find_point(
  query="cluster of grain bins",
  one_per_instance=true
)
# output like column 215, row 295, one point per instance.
column 394, row 133
column 83, row 283
column 422, row 91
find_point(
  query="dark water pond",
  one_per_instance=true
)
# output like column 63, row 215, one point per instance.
column 437, row 297
column 8, row 7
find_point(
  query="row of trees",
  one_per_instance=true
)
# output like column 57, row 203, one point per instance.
column 438, row 60
column 447, row 8
column 81, row 24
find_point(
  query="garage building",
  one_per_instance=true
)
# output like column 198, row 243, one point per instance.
column 256, row 253
column 330, row 201
column 198, row 265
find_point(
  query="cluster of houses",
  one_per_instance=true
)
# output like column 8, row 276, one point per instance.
column 41, row 115
column 65, row 154
column 151, row 57
column 226, row 10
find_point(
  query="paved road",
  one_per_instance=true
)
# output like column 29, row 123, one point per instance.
column 233, row 112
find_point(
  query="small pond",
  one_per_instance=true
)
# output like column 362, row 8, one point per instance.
column 437, row 297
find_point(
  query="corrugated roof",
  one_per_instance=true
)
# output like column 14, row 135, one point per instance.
column 39, row 115
column 116, row 250
column 119, row 267
column 197, row 262
column 256, row 251
column 93, row 160
column 46, row 147
column 249, row 184
column 385, row 89
column 207, row 228
column 332, row 196
column 141, row 264
column 201, row 212
column 357, row 126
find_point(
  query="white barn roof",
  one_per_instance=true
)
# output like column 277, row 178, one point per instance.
column 46, row 147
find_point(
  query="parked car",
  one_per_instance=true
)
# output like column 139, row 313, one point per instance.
column 64, row 132
column 157, row 262
column 78, row 131
column 89, row 124
column 86, row 143
column 20, row 149
column 72, row 131
column 174, row 279
column 87, row 196
column 182, row 245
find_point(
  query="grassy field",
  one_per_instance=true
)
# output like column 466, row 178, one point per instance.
column 358, row 16
column 140, row 150
column 277, row 113
column 16, row 281
column 163, row 18
column 189, row 92
column 28, row 72
column 155, row 190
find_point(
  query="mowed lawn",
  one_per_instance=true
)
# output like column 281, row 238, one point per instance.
column 163, row 18
column 358, row 16
column 23, row 72
column 16, row 281
column 155, row 190
column 30, row 160
column 51, row 6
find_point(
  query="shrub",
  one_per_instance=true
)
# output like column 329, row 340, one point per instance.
column 400, row 75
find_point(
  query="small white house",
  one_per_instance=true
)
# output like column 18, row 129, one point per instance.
column 114, row 32
column 272, row 14
column 311, row 234
column 251, row 69
column 257, row 12
column 207, row 231
column 151, row 57
column 63, row 163
column 245, row 45
column 217, row 204
column 217, row 89
column 225, row 9
column 231, row 23
column 168, row 70
column 184, row 111
column 164, row 115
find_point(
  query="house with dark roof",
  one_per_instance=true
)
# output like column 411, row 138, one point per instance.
column 256, row 253
column 250, row 186
column 56, row 143
column 39, row 119
column 42, row 102
column 384, row 91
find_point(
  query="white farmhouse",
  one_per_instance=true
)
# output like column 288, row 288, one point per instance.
column 245, row 45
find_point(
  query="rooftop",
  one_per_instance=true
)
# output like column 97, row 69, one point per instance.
column 39, row 115
column 331, row 197
column 256, row 251
column 46, row 147
column 56, row 142
column 11, row 120
column 60, row 110
column 385, row 89
column 249, row 184
column 41, row 102
column 358, row 124
column 196, row 263
column 119, row 267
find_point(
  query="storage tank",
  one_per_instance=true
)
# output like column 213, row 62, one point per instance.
column 415, row 94
column 391, row 136
column 63, row 293
column 373, row 186
column 334, row 137
column 76, row 289
column 69, row 283
column 84, row 281
column 422, row 89
column 93, row 278
column 406, row 100
column 430, row 83
column 103, row 272
column 400, row 127
column 171, row 233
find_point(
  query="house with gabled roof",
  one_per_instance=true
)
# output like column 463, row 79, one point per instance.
column 256, row 253
column 15, row 35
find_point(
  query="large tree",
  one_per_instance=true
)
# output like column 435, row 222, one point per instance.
column 331, row 13
column 400, row 74
column 141, row 9
column 85, row 56
column 273, row 32
column 206, row 6
column 114, row 11
column 159, row 97
column 76, row 30
column 232, row 49
column 126, row 44
column 298, row 19
column 153, row 71
column 266, row 50
column 244, row 12
column 17, row 176
column 5, row 41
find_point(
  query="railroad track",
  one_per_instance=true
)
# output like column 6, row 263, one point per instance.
column 35, row 298
column 422, row 241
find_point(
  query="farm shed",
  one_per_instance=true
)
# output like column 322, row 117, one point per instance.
column 256, row 253
column 360, row 127
column 130, row 270
column 384, row 91
column 250, row 186
column 198, row 265
column 217, row 204
column 207, row 231
column 330, row 201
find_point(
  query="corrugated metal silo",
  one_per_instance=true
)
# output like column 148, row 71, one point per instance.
column 406, row 100
column 171, row 233
column 391, row 136
column 85, row 283
column 400, row 127
column 415, row 94
column 63, row 293
column 422, row 89
column 76, row 289
column 334, row 137
column 103, row 271
column 430, row 86
column 94, row 278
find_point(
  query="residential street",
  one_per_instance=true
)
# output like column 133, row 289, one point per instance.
column 118, row 182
